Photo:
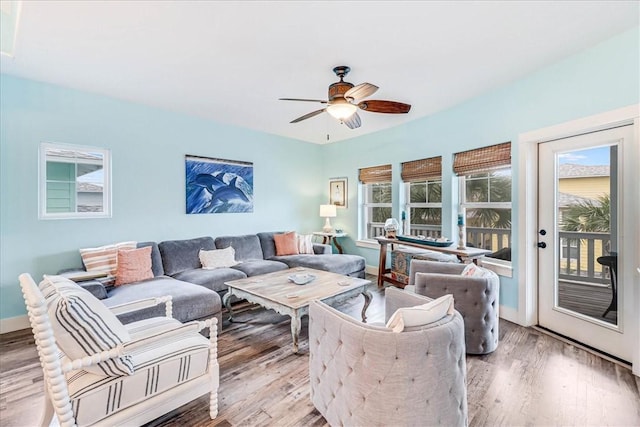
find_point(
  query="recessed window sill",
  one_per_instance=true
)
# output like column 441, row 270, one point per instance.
column 368, row 243
column 500, row 267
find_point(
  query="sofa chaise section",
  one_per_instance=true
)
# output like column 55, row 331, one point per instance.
column 323, row 259
column 189, row 301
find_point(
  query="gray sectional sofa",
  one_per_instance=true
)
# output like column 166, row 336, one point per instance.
column 196, row 292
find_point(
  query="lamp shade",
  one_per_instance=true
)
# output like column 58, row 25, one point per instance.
column 341, row 109
column 328, row 211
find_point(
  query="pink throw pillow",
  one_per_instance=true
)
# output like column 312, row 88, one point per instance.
column 286, row 243
column 134, row 265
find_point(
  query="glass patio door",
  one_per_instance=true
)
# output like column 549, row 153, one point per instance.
column 580, row 182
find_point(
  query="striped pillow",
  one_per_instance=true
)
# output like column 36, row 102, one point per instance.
column 83, row 326
column 104, row 259
column 305, row 243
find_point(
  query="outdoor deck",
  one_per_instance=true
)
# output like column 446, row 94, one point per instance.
column 584, row 285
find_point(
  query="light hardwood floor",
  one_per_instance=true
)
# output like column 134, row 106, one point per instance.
column 531, row 379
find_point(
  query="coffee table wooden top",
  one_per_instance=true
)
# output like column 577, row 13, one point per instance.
column 278, row 288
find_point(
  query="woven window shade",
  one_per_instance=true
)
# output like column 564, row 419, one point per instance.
column 375, row 175
column 482, row 159
column 422, row 170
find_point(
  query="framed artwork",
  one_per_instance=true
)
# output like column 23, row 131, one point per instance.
column 338, row 192
column 218, row 185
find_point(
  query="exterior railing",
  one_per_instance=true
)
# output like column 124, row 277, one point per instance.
column 578, row 251
column 578, row 256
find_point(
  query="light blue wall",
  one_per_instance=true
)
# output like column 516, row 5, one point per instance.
column 148, row 148
column 599, row 79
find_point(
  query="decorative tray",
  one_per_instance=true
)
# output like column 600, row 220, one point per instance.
column 301, row 279
column 425, row 242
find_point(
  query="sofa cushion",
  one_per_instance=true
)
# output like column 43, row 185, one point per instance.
column 83, row 326
column 286, row 243
column 246, row 246
column 134, row 265
column 335, row 263
column 156, row 259
column 268, row 244
column 211, row 279
column 181, row 255
column 189, row 301
column 260, row 266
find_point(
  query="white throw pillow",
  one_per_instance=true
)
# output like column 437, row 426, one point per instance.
column 421, row 315
column 473, row 270
column 218, row 258
column 305, row 243
column 84, row 326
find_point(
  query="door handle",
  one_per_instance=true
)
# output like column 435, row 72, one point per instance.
column 542, row 245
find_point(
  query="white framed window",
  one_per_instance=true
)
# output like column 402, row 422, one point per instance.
column 486, row 203
column 376, row 201
column 485, row 198
column 423, row 197
column 424, row 208
column 74, row 181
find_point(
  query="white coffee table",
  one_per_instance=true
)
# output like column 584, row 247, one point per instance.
column 274, row 291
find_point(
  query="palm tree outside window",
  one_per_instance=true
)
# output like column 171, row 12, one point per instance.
column 485, row 197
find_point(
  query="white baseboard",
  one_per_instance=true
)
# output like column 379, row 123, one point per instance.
column 11, row 324
column 510, row 314
column 371, row 269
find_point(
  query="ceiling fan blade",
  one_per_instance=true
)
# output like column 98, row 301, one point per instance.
column 353, row 121
column 391, row 107
column 361, row 91
column 303, row 99
column 308, row 116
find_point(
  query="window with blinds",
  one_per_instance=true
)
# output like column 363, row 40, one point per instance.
column 423, row 193
column 376, row 200
column 485, row 197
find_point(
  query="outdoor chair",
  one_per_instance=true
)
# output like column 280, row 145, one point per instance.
column 98, row 371
column 611, row 261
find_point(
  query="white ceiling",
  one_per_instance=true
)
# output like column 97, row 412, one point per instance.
column 231, row 61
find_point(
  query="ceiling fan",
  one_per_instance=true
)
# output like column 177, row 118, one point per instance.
column 345, row 100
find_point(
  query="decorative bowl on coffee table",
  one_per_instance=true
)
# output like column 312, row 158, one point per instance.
column 301, row 279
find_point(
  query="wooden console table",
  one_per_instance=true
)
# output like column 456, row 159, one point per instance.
column 465, row 255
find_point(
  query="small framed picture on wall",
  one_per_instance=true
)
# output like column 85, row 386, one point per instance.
column 338, row 192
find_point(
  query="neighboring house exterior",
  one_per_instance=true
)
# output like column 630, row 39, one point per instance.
column 579, row 184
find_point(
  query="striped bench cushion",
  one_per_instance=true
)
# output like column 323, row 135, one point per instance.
column 159, row 366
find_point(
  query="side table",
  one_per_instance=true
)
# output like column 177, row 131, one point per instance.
column 327, row 238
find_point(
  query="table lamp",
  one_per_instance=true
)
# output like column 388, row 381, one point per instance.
column 328, row 211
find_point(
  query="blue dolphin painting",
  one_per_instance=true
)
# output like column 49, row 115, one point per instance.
column 218, row 186
column 208, row 181
column 230, row 192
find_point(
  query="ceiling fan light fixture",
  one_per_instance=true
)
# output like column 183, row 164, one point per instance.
column 341, row 110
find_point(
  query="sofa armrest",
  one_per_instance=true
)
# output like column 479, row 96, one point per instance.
column 321, row 249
